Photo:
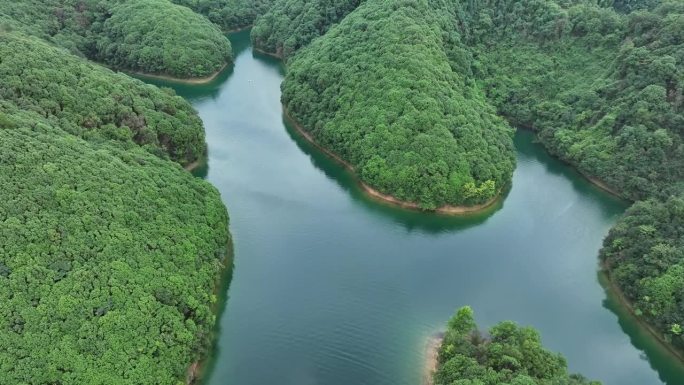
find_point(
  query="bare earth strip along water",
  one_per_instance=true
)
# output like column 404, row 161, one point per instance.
column 333, row 288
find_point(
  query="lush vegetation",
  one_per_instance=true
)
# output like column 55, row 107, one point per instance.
column 110, row 251
column 108, row 260
column 291, row 24
column 229, row 14
column 644, row 254
column 378, row 90
column 507, row 354
column 153, row 36
column 603, row 90
column 94, row 103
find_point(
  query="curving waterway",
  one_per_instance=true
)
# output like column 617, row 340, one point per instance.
column 332, row 288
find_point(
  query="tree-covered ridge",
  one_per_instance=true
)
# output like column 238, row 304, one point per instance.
column 291, row 24
column 378, row 91
column 506, row 355
column 229, row 14
column 153, row 36
column 95, row 103
column 644, row 254
column 603, row 90
column 108, row 259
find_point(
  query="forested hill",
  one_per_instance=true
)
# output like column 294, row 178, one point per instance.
column 96, row 104
column 603, row 90
column 378, row 91
column 108, row 259
column 152, row 36
column 109, row 250
column 506, row 354
column 291, row 24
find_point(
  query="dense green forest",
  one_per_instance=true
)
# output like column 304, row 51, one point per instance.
column 506, row 354
column 291, row 24
column 108, row 259
column 644, row 253
column 603, row 90
column 152, row 36
column 110, row 251
column 378, row 90
column 96, row 104
column 229, row 14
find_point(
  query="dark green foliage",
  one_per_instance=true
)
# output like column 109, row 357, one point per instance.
column 153, row 36
column 378, row 90
column 604, row 91
column 507, row 354
column 108, row 259
column 644, row 254
column 291, row 24
column 229, row 14
column 94, row 103
column 157, row 37
column 109, row 251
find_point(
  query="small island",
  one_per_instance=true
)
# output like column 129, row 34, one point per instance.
column 505, row 354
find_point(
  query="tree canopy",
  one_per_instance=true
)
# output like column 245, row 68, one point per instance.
column 644, row 253
column 109, row 250
column 108, row 259
column 378, row 90
column 152, row 36
column 289, row 25
column 506, row 355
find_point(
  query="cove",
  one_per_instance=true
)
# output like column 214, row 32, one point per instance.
column 332, row 287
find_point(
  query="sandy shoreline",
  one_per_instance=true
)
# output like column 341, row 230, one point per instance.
column 373, row 193
column 431, row 357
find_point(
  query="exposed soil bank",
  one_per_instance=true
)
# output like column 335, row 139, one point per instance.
column 192, row 166
column 196, row 81
column 431, row 357
column 277, row 55
column 602, row 185
column 373, row 193
column 622, row 299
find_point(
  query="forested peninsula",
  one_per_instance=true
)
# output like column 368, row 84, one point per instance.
column 410, row 93
column 505, row 354
column 110, row 251
column 149, row 36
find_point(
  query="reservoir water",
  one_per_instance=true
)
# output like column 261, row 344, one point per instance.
column 330, row 287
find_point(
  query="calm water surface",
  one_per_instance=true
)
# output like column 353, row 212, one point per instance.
column 332, row 288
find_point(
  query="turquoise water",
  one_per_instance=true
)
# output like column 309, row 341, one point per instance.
column 333, row 288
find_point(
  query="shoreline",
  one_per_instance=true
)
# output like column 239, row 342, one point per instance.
column 271, row 54
column 190, row 167
column 600, row 184
column 432, row 357
column 610, row 286
column 386, row 198
column 194, row 374
column 169, row 78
